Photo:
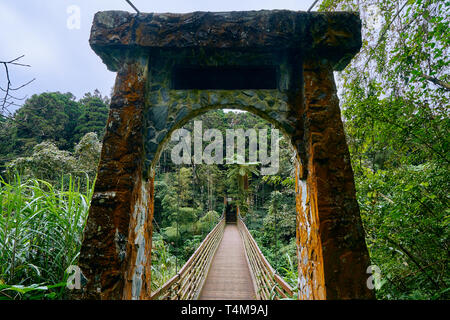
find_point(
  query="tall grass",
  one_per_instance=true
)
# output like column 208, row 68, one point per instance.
column 41, row 229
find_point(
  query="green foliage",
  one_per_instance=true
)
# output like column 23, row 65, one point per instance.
column 407, row 225
column 212, row 177
column 40, row 236
column 42, row 208
column 48, row 116
column 93, row 116
column 163, row 262
column 31, row 292
column 238, row 179
column 50, row 163
column 54, row 117
column 279, row 222
column 183, row 221
column 209, row 221
column 275, row 234
column 47, row 162
column 87, row 153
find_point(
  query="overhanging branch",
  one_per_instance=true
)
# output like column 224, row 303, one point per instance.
column 437, row 82
column 8, row 99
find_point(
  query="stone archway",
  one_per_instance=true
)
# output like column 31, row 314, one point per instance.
column 173, row 67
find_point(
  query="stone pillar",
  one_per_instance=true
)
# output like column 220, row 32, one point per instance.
column 333, row 257
column 118, row 228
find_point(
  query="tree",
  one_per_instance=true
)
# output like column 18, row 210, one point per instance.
column 87, row 152
column 240, row 175
column 49, row 163
column 48, row 116
column 93, row 116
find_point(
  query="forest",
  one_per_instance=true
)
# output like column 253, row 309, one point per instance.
column 394, row 98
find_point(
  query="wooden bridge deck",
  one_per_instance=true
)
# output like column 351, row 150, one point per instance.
column 229, row 275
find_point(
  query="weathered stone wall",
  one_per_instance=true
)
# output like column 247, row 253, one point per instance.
column 305, row 49
column 335, row 36
column 332, row 255
column 108, row 252
column 170, row 109
column 138, row 273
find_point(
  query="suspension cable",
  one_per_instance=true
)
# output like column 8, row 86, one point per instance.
column 312, row 6
column 133, row 6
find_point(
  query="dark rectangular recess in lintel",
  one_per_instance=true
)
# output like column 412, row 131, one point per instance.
column 224, row 77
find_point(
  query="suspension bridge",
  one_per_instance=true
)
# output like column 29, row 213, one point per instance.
column 228, row 265
column 171, row 68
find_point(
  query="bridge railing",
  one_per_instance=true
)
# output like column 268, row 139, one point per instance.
column 268, row 284
column 188, row 282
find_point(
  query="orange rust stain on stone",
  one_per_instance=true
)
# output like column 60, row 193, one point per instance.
column 310, row 265
column 107, row 248
column 338, row 242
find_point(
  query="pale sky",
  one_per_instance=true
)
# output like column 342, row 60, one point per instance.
column 61, row 59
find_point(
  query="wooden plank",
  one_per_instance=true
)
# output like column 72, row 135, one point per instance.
column 229, row 276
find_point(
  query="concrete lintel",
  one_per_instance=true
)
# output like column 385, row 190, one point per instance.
column 335, row 36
